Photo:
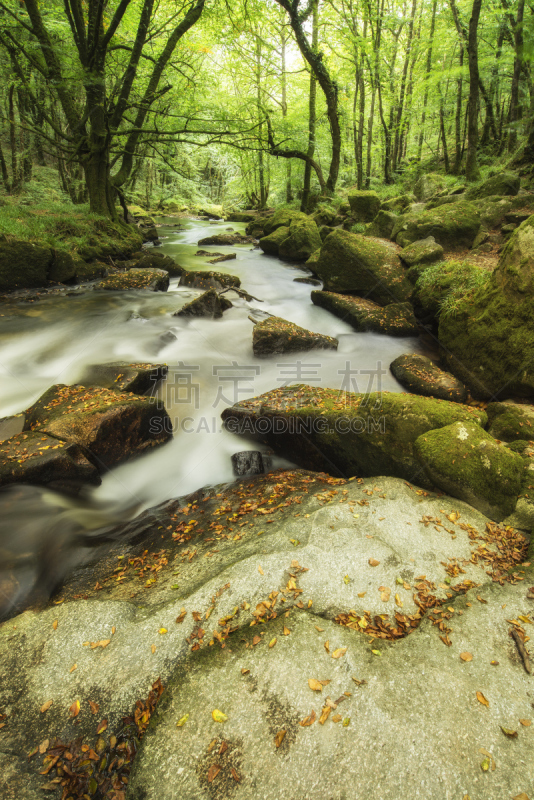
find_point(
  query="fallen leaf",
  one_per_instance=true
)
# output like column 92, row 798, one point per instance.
column 113, row 629
column 261, row 571
column 526, row 722
column 385, row 594
column 494, row 663
column 325, row 714
column 485, row 764
column 317, row 686
column 256, row 640
column 46, row 706
column 181, row 722
column 346, row 722
column 181, row 617
column 362, row 594
column 279, row 738
column 481, row 599
column 339, row 652
column 43, row 747
column 373, row 562
column 75, row 709
column 398, row 601
column 327, row 646
column 376, row 652
column 212, row 745
column 153, row 648
column 466, row 656
column 319, row 629
column 218, row 716
column 162, row 631
column 508, row 732
column 244, row 671
column 235, row 776
column 346, row 579
column 273, row 642
column 93, row 706
column 75, row 666
column 213, row 772
column 521, row 796
column 307, row 721
column 54, row 624
column 286, row 631
column 482, row 699
column 337, row 718
column 102, row 727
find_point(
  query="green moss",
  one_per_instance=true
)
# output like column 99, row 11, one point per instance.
column 282, row 217
column 453, row 226
column 510, row 422
column 447, row 286
column 303, row 240
column 271, row 243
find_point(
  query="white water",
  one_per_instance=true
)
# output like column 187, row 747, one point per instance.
column 211, row 364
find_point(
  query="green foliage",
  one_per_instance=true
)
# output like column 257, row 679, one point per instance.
column 451, row 284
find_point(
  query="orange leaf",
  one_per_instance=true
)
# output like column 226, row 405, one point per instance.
column 54, row 624
column 466, row 656
column 46, row 706
column 94, row 707
column 325, row 714
column 307, row 721
column 373, row 562
column 482, row 699
column 315, row 685
column 75, row 709
column 213, row 772
column 103, row 726
column 279, row 738
column 260, row 571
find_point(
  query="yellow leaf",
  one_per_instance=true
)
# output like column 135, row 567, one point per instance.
column 327, row 646
column 244, row 671
column 337, row 718
column 113, row 629
column 43, row 747
column 376, row 652
column 485, row 764
column 54, row 624
column 75, row 708
column 218, row 716
column 273, row 642
column 286, row 631
column 508, row 732
column 181, row 722
column 362, row 594
column 162, row 631
column 279, row 738
column 398, row 601
column 482, row 699
column 310, row 602
column 46, row 706
column 260, row 571
column 315, row 685
column 466, row 656
column 373, row 562
column 325, row 714
column 346, row 722
column 153, row 648
column 339, row 652
column 319, row 629
column 75, row 666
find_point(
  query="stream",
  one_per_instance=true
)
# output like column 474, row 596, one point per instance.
column 211, row 366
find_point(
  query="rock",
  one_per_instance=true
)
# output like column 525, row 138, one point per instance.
column 282, row 218
column 425, row 251
column 44, row 460
column 110, row 427
column 242, row 216
column 10, row 426
column 510, row 422
column 226, row 257
column 353, row 434
column 271, row 244
column 62, row 268
column 398, row 204
column 414, row 273
column 247, row 462
column 124, row 377
column 154, row 260
column 382, row 225
column 447, row 199
column 490, row 339
column 303, row 240
column 522, row 516
column 504, row 183
column 207, row 305
column 466, row 462
column 517, row 217
column 324, row 230
column 395, row 319
column 324, row 216
column 452, row 226
column 311, row 263
column 211, row 215
column 23, row 265
column 226, row 239
column 255, row 229
column 349, row 262
column 89, row 272
column 364, row 205
column 310, row 281
column 199, row 279
column 421, row 376
column 154, row 280
column 275, row 335
column 428, row 185
column 506, row 230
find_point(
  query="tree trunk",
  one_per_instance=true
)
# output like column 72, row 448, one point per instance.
column 289, row 190
column 515, row 111
column 312, row 113
column 472, row 172
column 370, row 123
column 427, row 78
column 15, row 177
column 400, row 108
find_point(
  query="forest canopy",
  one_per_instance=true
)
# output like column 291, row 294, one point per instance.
column 259, row 102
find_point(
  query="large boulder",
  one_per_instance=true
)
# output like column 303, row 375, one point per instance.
column 350, row 262
column 510, row 422
column 503, row 184
column 275, row 335
column 242, row 216
column 364, row 205
column 425, row 251
column 110, row 427
column 153, row 280
column 303, row 240
column 428, row 185
column 452, row 226
column 199, row 279
column 124, row 377
column 420, row 375
column 155, row 260
column 382, row 225
column 208, row 304
column 282, row 218
column 395, row 319
column 63, row 267
column 271, row 243
column 398, row 204
column 353, row 434
column 23, row 265
column 226, row 239
column 466, row 462
column 490, row 339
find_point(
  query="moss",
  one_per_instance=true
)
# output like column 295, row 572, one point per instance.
column 428, row 185
column 303, row 240
column 271, row 243
column 446, row 287
column 395, row 319
column 353, row 263
column 382, row 225
column 283, row 217
column 466, row 462
column 276, row 335
column 510, row 422
column 152, row 279
column 364, row 205
column 504, row 183
column 452, row 226
column 425, row 251
column 23, row 265
column 420, row 375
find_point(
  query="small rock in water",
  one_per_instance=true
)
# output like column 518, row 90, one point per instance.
column 248, row 462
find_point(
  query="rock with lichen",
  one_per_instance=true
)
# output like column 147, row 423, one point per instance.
column 276, row 335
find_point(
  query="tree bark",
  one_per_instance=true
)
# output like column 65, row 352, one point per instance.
column 472, row 172
column 312, row 113
column 427, row 78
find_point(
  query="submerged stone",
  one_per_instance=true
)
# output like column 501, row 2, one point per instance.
column 208, row 304
column 124, row 377
column 421, row 376
column 153, row 280
column 276, row 335
column 395, row 319
column 199, row 279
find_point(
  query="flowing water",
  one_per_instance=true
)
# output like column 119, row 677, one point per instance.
column 211, row 366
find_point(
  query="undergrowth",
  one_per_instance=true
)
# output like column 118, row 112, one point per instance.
column 451, row 284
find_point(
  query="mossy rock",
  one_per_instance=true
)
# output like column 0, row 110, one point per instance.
column 429, row 185
column 510, row 422
column 324, row 216
column 504, row 183
column 153, row 280
column 466, row 462
column 382, row 225
column 303, row 240
column 282, row 218
column 124, row 377
column 199, row 279
column 447, row 199
column 23, row 265
column 364, row 205
column 324, row 230
column 276, row 335
column 63, row 267
column 111, row 239
column 155, row 260
column 242, row 216
column 395, row 319
column 421, row 376
column 313, row 259
column 351, row 434
column 425, row 251
column 88, row 271
column 452, row 226
column 271, row 244
column 43, row 460
column 344, row 208
column 398, row 204
column 110, row 427
column 208, row 304
column 350, row 262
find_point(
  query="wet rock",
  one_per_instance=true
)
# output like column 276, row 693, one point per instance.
column 63, row 267
column 10, row 426
column 110, row 427
column 302, row 241
column 382, row 225
column 242, row 216
column 310, row 281
column 247, row 462
column 425, row 251
column 154, row 260
column 276, row 335
column 428, row 185
column 23, row 265
column 209, row 215
column 208, row 253
column 226, row 239
column 124, row 377
column 349, row 434
column 504, row 183
column 283, row 218
column 209, row 280
column 395, row 319
column 37, row 458
column 154, row 280
column 511, row 422
column 421, row 376
column 271, row 244
column 226, row 257
column 452, row 226
column 208, row 304
column 364, row 205
column 349, row 262
column 466, row 462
